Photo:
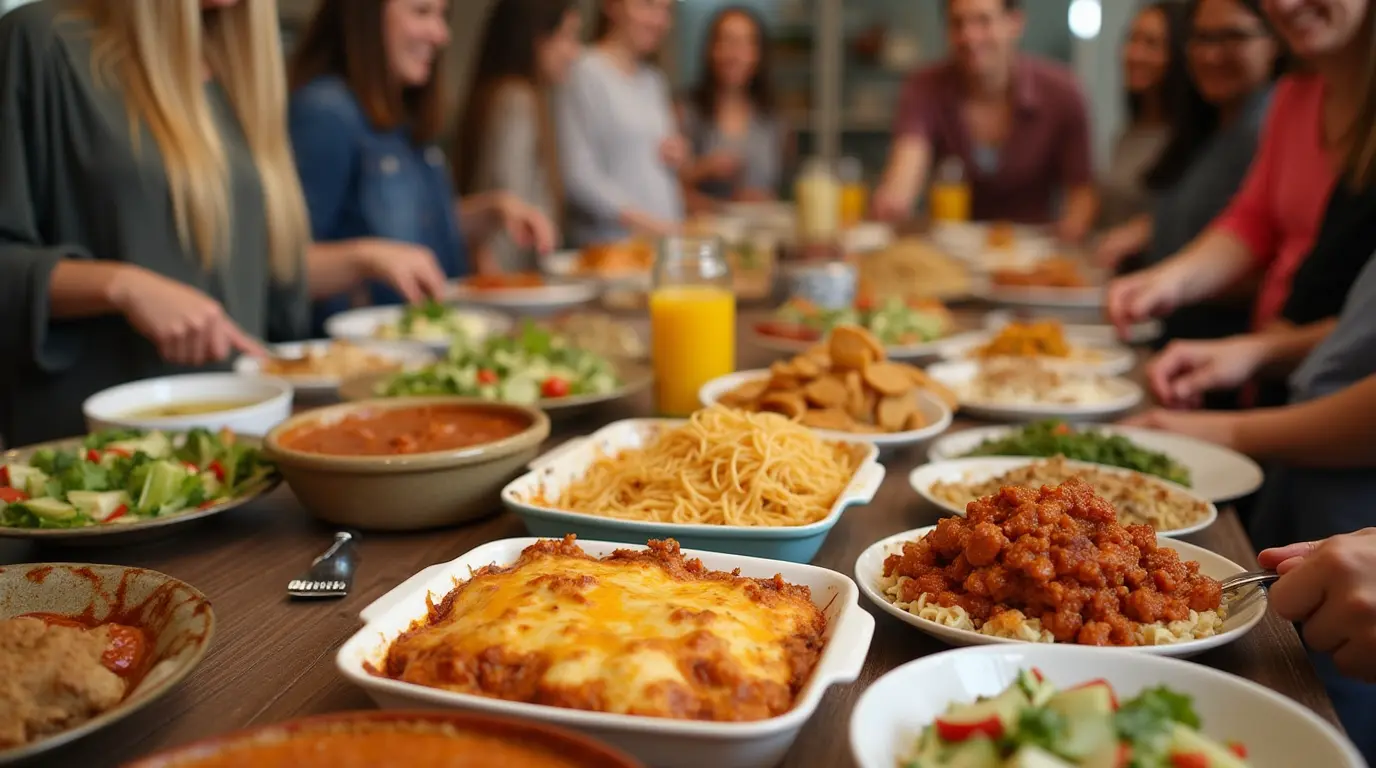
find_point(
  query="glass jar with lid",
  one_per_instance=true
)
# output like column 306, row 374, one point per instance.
column 818, row 196
column 692, row 321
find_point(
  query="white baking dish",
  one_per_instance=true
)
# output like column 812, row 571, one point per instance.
column 660, row 742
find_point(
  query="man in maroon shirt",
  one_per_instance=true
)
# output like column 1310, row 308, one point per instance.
column 1017, row 124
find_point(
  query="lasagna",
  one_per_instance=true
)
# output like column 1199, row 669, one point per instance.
column 639, row 632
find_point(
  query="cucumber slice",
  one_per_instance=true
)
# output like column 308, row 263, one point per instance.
column 50, row 509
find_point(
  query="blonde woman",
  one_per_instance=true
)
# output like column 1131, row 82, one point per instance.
column 151, row 219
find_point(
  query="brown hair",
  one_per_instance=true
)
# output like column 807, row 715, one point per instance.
column 1360, row 163
column 345, row 39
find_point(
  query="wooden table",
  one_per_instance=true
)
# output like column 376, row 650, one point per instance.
column 272, row 659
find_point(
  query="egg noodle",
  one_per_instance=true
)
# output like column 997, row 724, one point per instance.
column 724, row 467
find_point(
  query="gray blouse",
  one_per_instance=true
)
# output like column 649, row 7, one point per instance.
column 512, row 161
column 72, row 187
column 1122, row 194
column 761, row 148
column 611, row 126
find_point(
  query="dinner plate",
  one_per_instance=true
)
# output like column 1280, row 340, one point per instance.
column 555, row 296
column 1125, row 395
column 178, row 619
column 363, row 325
column 568, row 264
column 1278, row 732
column 112, row 534
column 1138, row 333
column 406, row 354
column 635, row 377
column 903, row 352
column 969, row 241
column 938, row 416
column 984, row 467
column 1216, row 473
column 1038, row 296
column 869, row 570
column 1103, row 357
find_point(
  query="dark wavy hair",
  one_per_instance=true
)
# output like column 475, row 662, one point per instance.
column 506, row 58
column 1175, row 83
column 703, row 96
column 1193, row 120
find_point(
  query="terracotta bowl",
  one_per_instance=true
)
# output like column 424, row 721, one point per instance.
column 533, row 739
column 407, row 492
column 176, row 616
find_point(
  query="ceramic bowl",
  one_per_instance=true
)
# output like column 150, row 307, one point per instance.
column 406, row 492
column 177, row 617
column 268, row 403
column 574, row 749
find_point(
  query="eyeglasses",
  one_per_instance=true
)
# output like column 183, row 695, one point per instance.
column 1224, row 38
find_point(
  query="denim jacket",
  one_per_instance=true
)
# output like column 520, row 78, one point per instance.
column 362, row 182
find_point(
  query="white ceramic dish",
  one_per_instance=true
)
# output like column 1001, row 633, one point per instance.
column 1278, row 732
column 407, row 355
column 1126, row 395
column 552, row 472
column 118, row 407
column 938, row 416
column 869, row 570
column 555, row 296
column 1216, row 473
column 984, row 467
column 568, row 265
column 1106, row 358
column 900, row 352
column 659, row 742
column 363, row 325
column 1139, row 333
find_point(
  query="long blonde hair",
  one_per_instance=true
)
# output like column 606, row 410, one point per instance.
column 156, row 51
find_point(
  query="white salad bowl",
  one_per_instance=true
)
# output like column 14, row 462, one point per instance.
column 267, row 403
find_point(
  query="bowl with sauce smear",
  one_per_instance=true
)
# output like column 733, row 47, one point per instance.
column 406, row 463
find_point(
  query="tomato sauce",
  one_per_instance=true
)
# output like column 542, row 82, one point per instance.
column 505, row 281
column 401, row 431
column 379, row 747
column 127, row 653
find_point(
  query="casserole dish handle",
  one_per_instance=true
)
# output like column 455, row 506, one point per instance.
column 558, row 452
column 398, row 593
column 865, row 484
column 853, row 635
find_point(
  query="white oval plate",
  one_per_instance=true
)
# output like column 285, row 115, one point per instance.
column 869, row 570
column 899, row 352
column 1034, row 296
column 1139, row 333
column 408, row 354
column 363, row 324
column 568, row 265
column 1216, row 473
column 553, row 297
column 984, row 467
column 956, row 375
column 937, row 414
column 1108, row 359
column 1277, row 732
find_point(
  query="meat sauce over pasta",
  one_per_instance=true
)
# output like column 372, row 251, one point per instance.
column 1058, row 555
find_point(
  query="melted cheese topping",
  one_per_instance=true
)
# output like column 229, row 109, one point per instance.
column 637, row 634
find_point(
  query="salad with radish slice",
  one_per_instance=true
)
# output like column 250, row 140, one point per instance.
column 124, row 476
column 1033, row 724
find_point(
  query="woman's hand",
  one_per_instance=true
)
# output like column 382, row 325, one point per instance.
column 673, row 151
column 411, row 270
column 719, row 166
column 1144, row 295
column 1186, row 370
column 886, row 204
column 1330, row 588
column 644, row 224
column 187, row 326
column 1122, row 241
column 1210, row 426
column 526, row 224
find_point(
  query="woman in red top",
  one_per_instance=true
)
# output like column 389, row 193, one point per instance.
column 1317, row 155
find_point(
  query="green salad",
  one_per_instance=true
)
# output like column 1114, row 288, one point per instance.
column 533, row 365
column 1034, row 725
column 1056, row 438
column 435, row 322
column 894, row 322
column 124, row 476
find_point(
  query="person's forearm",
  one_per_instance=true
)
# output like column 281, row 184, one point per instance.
column 477, row 215
column 907, row 170
column 1081, row 209
column 1330, row 432
column 333, row 268
column 1209, row 265
column 81, row 288
column 1288, row 346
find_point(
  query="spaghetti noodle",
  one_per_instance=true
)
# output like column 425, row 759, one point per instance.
column 724, row 467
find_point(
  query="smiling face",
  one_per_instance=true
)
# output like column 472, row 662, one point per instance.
column 1231, row 54
column 1147, row 53
column 414, row 32
column 1317, row 28
column 555, row 54
column 735, row 52
column 983, row 34
column 642, row 24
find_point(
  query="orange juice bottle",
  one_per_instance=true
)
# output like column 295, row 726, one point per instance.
column 949, row 198
column 692, row 322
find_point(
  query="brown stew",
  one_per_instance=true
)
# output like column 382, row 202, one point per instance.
column 402, row 431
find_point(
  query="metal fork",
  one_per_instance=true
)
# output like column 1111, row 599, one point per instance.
column 331, row 574
column 1241, row 590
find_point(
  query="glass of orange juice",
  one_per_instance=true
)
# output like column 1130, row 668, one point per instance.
column 692, row 321
column 949, row 197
